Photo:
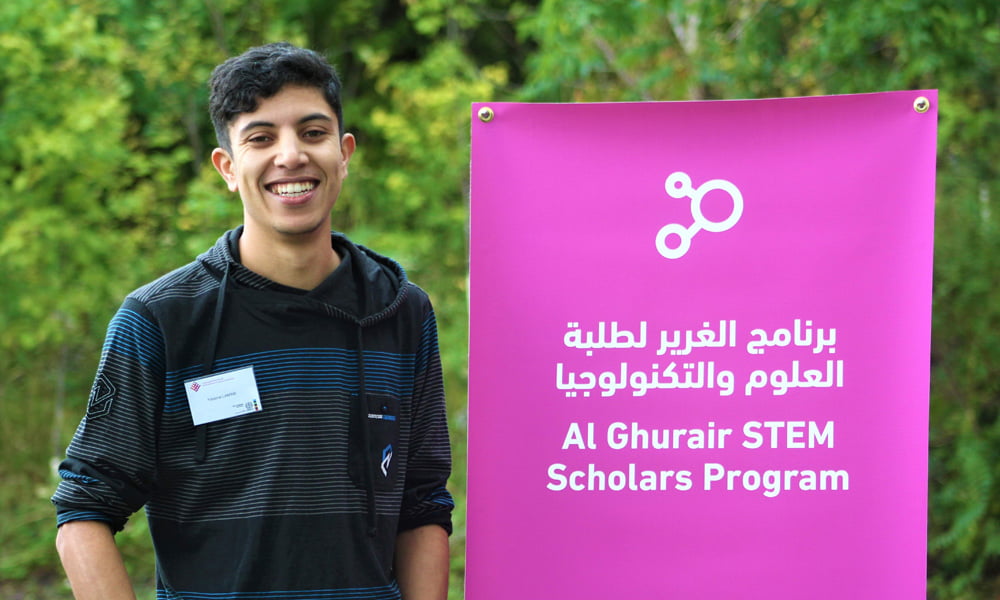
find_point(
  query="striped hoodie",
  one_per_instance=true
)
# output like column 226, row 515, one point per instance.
column 303, row 498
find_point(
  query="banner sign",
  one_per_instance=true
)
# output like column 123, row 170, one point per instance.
column 699, row 348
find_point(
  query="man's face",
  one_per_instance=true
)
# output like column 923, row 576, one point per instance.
column 288, row 163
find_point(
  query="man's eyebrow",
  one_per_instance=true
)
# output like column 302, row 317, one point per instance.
column 305, row 119
column 316, row 117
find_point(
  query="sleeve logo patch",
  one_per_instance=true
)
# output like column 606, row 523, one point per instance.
column 101, row 396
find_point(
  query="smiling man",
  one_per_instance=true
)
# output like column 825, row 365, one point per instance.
column 288, row 160
column 276, row 405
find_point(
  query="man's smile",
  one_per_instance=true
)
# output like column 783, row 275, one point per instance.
column 291, row 189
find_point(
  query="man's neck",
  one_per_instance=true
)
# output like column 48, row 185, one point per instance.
column 301, row 261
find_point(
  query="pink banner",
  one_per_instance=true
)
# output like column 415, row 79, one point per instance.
column 699, row 348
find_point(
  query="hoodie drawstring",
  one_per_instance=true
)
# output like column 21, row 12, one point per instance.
column 364, row 426
column 201, row 431
column 366, row 437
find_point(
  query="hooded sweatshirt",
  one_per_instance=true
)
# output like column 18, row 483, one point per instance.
column 303, row 495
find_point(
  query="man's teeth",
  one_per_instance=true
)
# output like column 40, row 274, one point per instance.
column 293, row 189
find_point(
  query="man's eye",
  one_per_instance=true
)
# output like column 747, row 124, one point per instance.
column 259, row 139
column 314, row 133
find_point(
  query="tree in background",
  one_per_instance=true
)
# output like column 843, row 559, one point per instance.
column 107, row 184
column 105, row 166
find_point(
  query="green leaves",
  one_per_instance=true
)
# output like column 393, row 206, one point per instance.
column 62, row 92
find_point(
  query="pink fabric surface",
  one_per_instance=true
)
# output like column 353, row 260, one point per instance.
column 756, row 266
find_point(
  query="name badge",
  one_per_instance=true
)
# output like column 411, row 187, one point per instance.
column 223, row 395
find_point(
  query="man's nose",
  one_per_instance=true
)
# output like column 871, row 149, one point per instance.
column 290, row 153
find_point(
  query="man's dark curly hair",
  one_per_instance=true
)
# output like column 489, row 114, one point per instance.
column 240, row 83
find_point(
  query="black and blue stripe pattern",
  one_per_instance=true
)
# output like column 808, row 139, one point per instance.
column 273, row 510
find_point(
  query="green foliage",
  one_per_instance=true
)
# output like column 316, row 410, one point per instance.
column 107, row 183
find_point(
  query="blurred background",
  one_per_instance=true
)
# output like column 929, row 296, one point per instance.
column 105, row 184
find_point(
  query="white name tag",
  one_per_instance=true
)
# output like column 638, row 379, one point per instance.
column 223, row 395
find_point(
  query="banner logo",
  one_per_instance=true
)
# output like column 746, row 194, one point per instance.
column 678, row 185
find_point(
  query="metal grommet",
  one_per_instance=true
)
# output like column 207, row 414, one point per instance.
column 486, row 114
column 921, row 104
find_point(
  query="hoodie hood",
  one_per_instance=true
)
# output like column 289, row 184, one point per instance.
column 366, row 288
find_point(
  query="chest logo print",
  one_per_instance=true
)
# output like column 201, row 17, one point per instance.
column 386, row 458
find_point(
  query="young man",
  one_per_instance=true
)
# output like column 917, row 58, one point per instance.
column 276, row 405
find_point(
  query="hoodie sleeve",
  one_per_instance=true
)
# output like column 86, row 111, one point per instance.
column 109, row 465
column 426, row 499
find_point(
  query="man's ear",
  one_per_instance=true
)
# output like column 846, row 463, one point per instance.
column 347, row 147
column 224, row 165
